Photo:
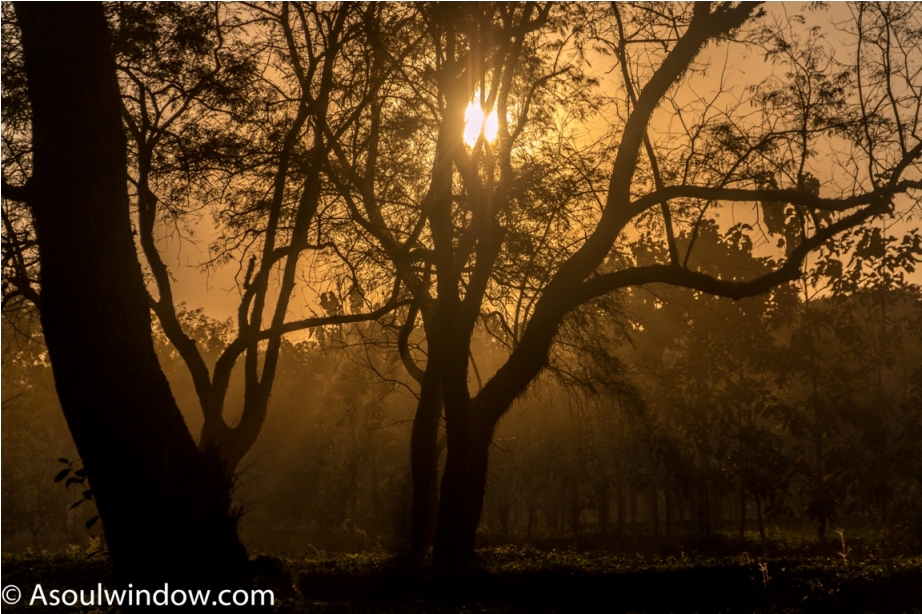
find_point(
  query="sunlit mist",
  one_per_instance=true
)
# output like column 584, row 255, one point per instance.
column 475, row 124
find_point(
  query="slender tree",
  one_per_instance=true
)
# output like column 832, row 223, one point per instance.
column 206, row 127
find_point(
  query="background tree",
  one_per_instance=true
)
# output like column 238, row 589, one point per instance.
column 715, row 368
column 211, row 130
column 34, row 428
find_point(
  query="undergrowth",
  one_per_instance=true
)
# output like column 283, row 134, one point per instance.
column 527, row 579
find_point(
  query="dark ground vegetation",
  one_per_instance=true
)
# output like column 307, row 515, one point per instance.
column 706, row 575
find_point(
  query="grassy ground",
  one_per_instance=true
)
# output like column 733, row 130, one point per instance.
column 521, row 579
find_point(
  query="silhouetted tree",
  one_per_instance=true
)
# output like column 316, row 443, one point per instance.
column 164, row 504
column 209, row 132
column 208, row 129
column 727, row 159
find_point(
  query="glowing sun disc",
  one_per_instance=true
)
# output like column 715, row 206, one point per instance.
column 475, row 124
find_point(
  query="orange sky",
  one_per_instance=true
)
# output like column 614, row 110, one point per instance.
column 217, row 293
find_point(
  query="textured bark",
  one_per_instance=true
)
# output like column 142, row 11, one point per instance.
column 164, row 505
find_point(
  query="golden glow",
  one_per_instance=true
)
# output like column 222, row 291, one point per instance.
column 475, row 124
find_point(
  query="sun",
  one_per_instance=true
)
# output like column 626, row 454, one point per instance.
column 475, row 124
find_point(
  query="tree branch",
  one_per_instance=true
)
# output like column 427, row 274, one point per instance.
column 794, row 197
column 17, row 193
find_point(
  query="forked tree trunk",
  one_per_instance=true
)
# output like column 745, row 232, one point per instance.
column 464, row 480
column 165, row 506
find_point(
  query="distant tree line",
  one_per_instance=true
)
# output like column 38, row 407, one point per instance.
column 744, row 415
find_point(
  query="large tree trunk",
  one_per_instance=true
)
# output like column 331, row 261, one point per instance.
column 463, row 487
column 424, row 460
column 165, row 506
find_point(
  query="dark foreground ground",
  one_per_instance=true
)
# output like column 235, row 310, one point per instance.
column 516, row 579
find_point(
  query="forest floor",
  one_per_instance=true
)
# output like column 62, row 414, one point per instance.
column 527, row 579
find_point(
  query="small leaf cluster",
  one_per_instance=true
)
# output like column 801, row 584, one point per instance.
column 74, row 473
